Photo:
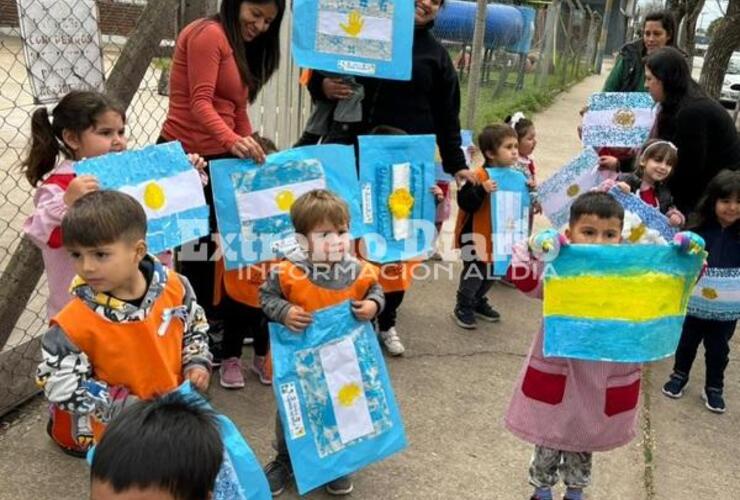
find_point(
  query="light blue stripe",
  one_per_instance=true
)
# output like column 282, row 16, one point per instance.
column 164, row 233
column 598, row 135
column 611, row 340
column 625, row 260
column 614, row 100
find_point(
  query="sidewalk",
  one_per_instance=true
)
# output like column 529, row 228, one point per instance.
column 453, row 387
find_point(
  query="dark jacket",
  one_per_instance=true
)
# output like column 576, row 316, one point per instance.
column 630, row 76
column 662, row 193
column 427, row 104
column 722, row 244
column 707, row 142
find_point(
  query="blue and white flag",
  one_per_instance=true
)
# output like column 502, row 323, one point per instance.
column 717, row 295
column 618, row 119
column 164, row 181
column 642, row 223
column 509, row 215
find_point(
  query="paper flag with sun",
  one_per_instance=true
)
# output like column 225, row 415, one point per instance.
column 509, row 215
column 355, row 37
column 621, row 303
column 397, row 174
column 717, row 295
column 643, row 223
column 618, row 119
column 335, row 400
column 253, row 201
column 578, row 176
column 164, row 181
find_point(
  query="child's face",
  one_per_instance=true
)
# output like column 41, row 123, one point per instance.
column 656, row 171
column 107, row 135
column 111, row 268
column 728, row 210
column 528, row 142
column 506, row 155
column 101, row 490
column 328, row 243
column 592, row 229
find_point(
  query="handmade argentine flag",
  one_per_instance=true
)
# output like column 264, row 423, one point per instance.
column 164, row 181
column 618, row 119
column 717, row 295
column 578, row 176
column 621, row 303
column 509, row 215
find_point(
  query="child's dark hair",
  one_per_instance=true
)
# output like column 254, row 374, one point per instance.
column 386, row 130
column 267, row 145
column 521, row 127
column 597, row 203
column 103, row 217
column 492, row 137
column 171, row 443
column 724, row 185
column 76, row 112
column 658, row 150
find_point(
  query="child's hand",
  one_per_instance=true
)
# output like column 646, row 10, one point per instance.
column 675, row 220
column 546, row 243
column 79, row 187
column 536, row 207
column 297, row 319
column 197, row 162
column 364, row 310
column 199, row 377
column 623, row 186
column 688, row 242
column 439, row 195
column 608, row 163
column 531, row 183
column 490, row 186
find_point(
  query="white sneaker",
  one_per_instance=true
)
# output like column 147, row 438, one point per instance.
column 392, row 342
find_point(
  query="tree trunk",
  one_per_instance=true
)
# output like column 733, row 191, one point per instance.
column 476, row 60
column 726, row 39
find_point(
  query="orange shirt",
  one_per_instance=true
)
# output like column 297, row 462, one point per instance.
column 482, row 229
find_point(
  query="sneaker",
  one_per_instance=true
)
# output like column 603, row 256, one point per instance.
column 231, row 374
column 259, row 368
column 464, row 318
column 713, row 400
column 341, row 486
column 278, row 475
column 487, row 313
column 674, row 387
column 248, row 341
column 392, row 342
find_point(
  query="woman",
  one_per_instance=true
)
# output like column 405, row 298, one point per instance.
column 699, row 126
column 219, row 65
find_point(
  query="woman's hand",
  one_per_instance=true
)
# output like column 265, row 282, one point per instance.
column 336, row 89
column 247, row 147
column 79, row 187
column 466, row 175
column 608, row 163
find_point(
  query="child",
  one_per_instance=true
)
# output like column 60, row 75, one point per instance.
column 133, row 329
column 324, row 276
column 168, row 449
column 655, row 165
column 527, row 137
column 499, row 146
column 719, row 224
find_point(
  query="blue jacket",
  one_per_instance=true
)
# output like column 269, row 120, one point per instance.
column 723, row 244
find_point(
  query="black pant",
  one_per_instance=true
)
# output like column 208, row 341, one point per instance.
column 476, row 280
column 387, row 317
column 716, row 336
column 240, row 319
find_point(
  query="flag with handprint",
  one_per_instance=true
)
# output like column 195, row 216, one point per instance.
column 355, row 37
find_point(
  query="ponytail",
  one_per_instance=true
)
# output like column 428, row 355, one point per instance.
column 44, row 149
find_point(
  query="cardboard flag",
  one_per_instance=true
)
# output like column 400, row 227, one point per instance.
column 578, row 176
column 621, row 303
column 643, row 223
column 618, row 119
column 164, row 181
column 509, row 215
column 253, row 201
column 334, row 397
column 398, row 208
column 717, row 295
column 354, row 37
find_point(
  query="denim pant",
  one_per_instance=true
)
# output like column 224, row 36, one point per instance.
column 476, row 280
column 716, row 336
column 549, row 465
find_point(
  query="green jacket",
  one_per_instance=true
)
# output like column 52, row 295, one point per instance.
column 628, row 74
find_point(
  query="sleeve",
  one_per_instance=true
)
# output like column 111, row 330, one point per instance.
column 471, row 197
column 273, row 303
column 525, row 271
column 242, row 125
column 43, row 226
column 204, row 54
column 315, row 86
column 691, row 139
column 195, row 351
column 446, row 113
column 613, row 81
column 375, row 293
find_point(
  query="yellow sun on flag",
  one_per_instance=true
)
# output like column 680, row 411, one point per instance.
column 154, row 196
column 709, row 293
column 637, row 233
column 284, row 200
column 400, row 203
column 349, row 394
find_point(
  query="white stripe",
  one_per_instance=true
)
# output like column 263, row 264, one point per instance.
column 643, row 118
column 341, row 369
column 373, row 28
column 725, row 296
column 261, row 204
column 182, row 191
column 401, row 178
column 510, row 227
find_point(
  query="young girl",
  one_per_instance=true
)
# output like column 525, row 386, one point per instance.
column 498, row 144
column 527, row 137
column 655, row 165
column 718, row 222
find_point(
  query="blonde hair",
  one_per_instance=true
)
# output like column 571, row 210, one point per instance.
column 317, row 206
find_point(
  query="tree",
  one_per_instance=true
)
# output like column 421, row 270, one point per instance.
column 687, row 14
column 726, row 38
column 713, row 26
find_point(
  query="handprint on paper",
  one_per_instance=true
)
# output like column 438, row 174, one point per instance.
column 354, row 24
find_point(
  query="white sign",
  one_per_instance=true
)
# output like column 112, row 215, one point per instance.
column 62, row 46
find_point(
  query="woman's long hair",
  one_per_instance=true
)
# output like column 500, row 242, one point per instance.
column 259, row 59
column 669, row 65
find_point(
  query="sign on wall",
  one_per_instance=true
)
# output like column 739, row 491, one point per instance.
column 61, row 44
